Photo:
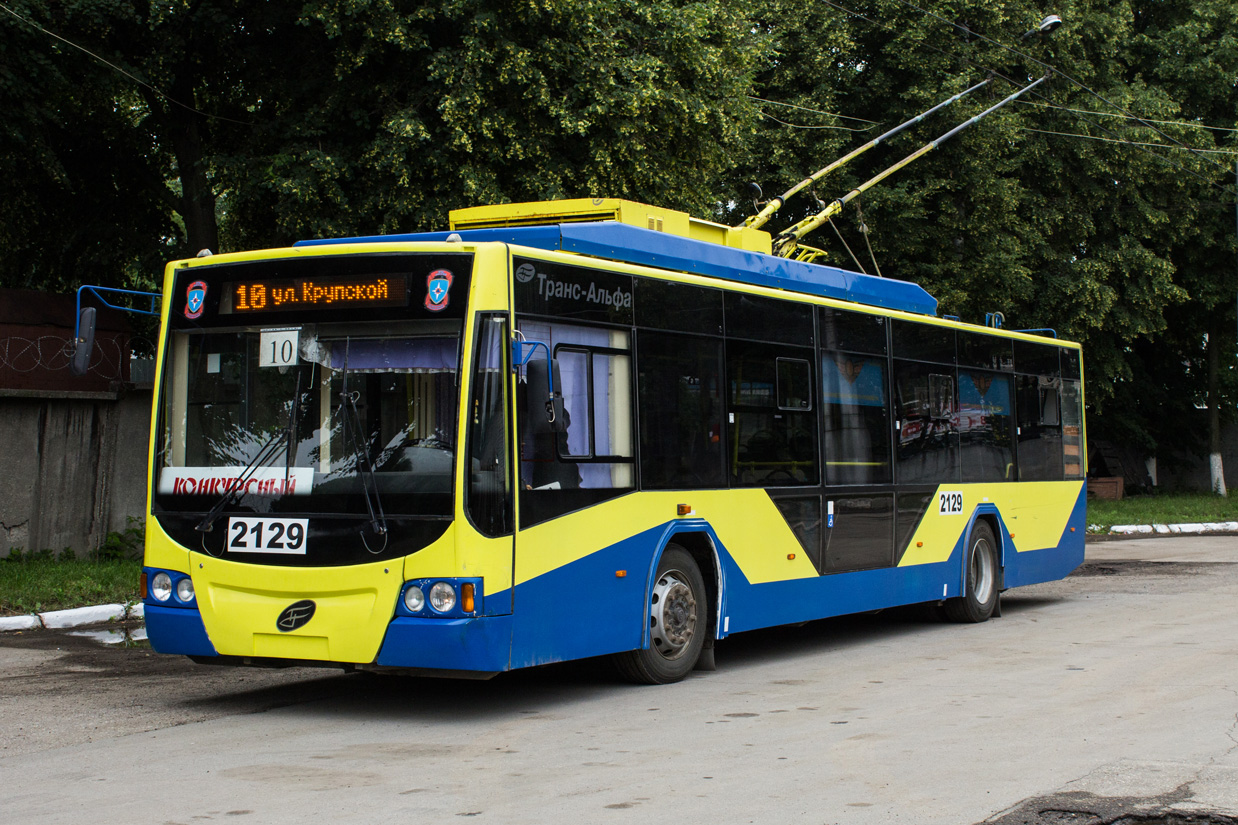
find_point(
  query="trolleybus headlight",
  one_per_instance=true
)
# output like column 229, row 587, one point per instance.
column 414, row 598
column 442, row 597
column 161, row 587
column 184, row 590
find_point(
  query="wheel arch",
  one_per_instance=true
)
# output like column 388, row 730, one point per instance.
column 701, row 544
column 988, row 515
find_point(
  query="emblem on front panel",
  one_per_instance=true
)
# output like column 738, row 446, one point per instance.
column 438, row 287
column 195, row 299
column 295, row 615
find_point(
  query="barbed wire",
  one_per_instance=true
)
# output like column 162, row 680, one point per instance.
column 55, row 352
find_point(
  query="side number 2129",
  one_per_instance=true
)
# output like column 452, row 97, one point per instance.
column 950, row 504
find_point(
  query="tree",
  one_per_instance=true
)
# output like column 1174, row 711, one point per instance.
column 242, row 126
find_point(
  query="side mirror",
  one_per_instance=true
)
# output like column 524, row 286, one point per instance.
column 84, row 342
column 545, row 413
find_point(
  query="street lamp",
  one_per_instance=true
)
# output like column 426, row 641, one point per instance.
column 1047, row 25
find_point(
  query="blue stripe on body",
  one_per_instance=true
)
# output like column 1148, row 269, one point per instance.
column 177, row 630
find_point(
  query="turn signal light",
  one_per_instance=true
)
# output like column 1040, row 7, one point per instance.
column 684, row 509
column 466, row 597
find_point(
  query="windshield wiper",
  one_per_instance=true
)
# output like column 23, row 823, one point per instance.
column 269, row 450
column 373, row 503
column 284, row 438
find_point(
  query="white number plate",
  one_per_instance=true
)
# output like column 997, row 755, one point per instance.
column 278, row 347
column 950, row 504
column 267, row 535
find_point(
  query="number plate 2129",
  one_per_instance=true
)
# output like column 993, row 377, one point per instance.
column 267, row 535
column 950, row 503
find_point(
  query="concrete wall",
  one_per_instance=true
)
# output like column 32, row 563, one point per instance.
column 1192, row 473
column 74, row 468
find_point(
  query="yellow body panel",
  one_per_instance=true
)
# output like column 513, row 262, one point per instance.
column 1035, row 513
column 745, row 521
column 579, row 210
column 240, row 604
column 161, row 550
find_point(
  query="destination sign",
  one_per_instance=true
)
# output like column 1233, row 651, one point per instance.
column 292, row 294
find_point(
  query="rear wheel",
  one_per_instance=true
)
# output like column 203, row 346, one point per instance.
column 677, row 615
column 979, row 598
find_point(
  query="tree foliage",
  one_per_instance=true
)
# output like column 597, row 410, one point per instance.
column 226, row 125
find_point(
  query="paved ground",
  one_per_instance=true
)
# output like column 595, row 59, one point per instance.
column 1112, row 693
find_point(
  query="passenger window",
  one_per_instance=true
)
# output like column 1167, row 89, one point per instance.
column 794, row 384
column 928, row 437
column 857, row 420
column 1040, row 453
column 680, row 411
column 1072, row 428
column 986, row 426
column 770, row 444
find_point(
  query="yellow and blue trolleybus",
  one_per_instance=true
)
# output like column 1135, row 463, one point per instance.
column 583, row 428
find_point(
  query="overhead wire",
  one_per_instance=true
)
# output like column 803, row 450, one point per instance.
column 1188, row 124
column 809, row 109
column 1117, row 138
column 1060, row 73
column 1127, row 142
column 802, row 126
column 846, row 246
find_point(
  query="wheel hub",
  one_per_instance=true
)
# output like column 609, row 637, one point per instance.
column 672, row 615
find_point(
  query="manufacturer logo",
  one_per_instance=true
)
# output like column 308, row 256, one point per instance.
column 438, row 285
column 195, row 299
column 295, row 615
column 525, row 273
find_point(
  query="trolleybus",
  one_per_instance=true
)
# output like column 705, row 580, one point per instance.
column 583, row 428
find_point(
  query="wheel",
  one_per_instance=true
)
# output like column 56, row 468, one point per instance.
column 677, row 618
column 979, row 597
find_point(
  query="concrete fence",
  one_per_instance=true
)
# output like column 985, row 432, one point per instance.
column 74, row 467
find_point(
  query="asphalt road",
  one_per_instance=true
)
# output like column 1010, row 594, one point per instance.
column 1111, row 693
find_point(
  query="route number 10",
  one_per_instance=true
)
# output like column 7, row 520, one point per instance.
column 278, row 347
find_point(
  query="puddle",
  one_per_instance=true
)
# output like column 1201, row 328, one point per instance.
column 123, row 635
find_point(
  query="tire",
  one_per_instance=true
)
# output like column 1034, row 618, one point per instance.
column 677, row 614
column 980, row 595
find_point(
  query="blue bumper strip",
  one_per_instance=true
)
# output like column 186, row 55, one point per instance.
column 177, row 630
column 481, row 644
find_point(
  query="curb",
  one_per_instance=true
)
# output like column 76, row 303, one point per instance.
column 1187, row 529
column 74, row 617
column 1174, row 529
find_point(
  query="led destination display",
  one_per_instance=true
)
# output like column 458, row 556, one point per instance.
column 289, row 294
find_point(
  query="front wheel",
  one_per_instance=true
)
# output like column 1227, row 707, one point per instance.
column 979, row 598
column 677, row 615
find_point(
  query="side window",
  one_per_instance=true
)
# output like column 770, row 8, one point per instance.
column 857, row 419
column 680, row 411
column 1072, row 428
column 489, row 490
column 794, row 385
column 597, row 398
column 986, row 426
column 581, row 451
column 928, row 437
column 1040, row 455
column 770, row 444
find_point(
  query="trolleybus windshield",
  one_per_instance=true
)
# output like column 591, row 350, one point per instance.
column 332, row 411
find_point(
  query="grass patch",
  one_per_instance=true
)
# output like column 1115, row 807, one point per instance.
column 34, row 585
column 1177, row 508
column 35, row 582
